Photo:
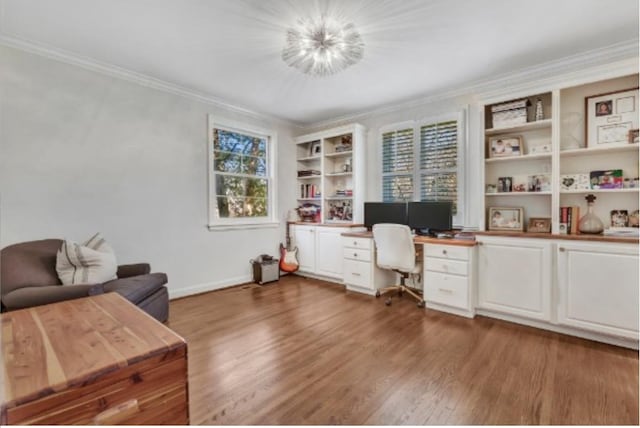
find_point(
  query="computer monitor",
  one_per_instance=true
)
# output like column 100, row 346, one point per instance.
column 384, row 212
column 429, row 217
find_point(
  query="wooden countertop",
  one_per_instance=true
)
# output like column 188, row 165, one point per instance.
column 46, row 349
column 306, row 223
column 420, row 239
column 580, row 237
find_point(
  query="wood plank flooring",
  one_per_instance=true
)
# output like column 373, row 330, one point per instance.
column 302, row 351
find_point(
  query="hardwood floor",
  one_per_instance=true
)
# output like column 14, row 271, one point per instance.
column 303, row 351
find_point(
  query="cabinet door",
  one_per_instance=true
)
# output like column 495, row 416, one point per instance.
column 330, row 252
column 598, row 287
column 305, row 240
column 514, row 276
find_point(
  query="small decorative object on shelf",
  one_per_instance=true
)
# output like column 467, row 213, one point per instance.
column 309, row 212
column 619, row 218
column 634, row 219
column 520, row 183
column 539, row 225
column 315, row 149
column 539, row 111
column 610, row 179
column 511, row 113
column 540, row 183
column 634, row 136
column 540, row 149
column 590, row 223
column 505, row 147
column 505, row 184
column 492, row 188
column 574, row 182
column 506, row 218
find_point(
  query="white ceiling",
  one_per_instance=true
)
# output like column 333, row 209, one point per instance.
column 230, row 49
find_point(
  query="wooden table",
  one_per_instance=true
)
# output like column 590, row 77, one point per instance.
column 95, row 360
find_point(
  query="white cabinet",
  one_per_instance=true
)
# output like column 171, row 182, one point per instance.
column 598, row 287
column 514, row 276
column 449, row 274
column 329, row 251
column 360, row 272
column 304, row 238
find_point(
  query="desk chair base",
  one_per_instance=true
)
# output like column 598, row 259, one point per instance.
column 401, row 289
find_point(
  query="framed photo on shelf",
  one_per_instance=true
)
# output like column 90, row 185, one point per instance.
column 634, row 136
column 539, row 225
column 315, row 149
column 611, row 117
column 506, row 218
column 502, row 147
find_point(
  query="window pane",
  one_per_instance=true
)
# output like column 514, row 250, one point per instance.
column 227, row 162
column 254, row 166
column 440, row 187
column 227, row 185
column 241, row 196
column 238, row 143
column 230, row 207
column 397, row 188
column 439, row 146
column 255, row 207
column 397, row 151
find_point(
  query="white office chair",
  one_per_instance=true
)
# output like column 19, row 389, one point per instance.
column 395, row 251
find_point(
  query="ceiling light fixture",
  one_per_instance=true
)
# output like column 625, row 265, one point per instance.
column 322, row 48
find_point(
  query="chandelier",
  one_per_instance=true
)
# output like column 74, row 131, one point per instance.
column 322, row 48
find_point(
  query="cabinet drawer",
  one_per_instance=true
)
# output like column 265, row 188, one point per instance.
column 446, row 266
column 350, row 242
column 446, row 289
column 446, row 252
column 357, row 273
column 357, row 254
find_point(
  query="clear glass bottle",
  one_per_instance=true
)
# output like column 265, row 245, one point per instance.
column 590, row 223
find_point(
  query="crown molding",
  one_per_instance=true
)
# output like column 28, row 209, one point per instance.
column 132, row 76
column 591, row 62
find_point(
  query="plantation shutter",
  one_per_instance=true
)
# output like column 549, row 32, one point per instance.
column 439, row 162
column 397, row 165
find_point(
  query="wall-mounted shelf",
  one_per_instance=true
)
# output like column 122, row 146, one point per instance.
column 519, row 158
column 587, row 191
column 598, row 150
column 339, row 174
column 540, row 124
column 310, row 177
column 339, row 154
column 339, row 198
column 310, row 158
column 519, row 194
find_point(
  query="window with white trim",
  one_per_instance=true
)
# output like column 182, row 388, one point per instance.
column 241, row 184
column 422, row 161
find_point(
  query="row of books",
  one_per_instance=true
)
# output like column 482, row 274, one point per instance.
column 569, row 218
column 309, row 191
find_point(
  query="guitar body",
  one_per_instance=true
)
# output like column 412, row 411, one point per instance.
column 288, row 259
column 288, row 256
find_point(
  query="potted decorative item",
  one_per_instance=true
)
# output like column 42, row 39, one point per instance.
column 590, row 223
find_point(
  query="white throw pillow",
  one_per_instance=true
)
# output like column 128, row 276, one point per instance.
column 93, row 262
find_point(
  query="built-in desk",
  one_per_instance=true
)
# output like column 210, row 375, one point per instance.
column 448, row 279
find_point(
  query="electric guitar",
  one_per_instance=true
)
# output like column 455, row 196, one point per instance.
column 288, row 256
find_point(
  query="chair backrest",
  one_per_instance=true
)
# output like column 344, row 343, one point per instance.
column 29, row 264
column 394, row 247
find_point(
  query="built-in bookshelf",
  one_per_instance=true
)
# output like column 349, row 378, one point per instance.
column 554, row 148
column 330, row 169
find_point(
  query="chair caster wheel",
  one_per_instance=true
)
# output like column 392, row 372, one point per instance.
column 378, row 293
column 421, row 304
column 387, row 302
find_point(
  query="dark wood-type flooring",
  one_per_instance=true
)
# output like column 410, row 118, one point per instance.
column 303, row 351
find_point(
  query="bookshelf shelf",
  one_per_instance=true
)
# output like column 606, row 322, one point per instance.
column 540, row 124
column 519, row 158
column 310, row 159
column 600, row 191
column 339, row 154
column 598, row 151
column 519, row 194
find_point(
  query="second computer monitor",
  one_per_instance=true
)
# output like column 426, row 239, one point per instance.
column 384, row 212
column 434, row 216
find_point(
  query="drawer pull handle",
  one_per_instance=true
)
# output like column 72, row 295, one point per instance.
column 562, row 249
column 444, row 252
column 355, row 274
column 355, row 243
column 355, row 254
column 445, row 290
column 118, row 414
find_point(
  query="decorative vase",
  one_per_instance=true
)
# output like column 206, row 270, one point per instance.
column 539, row 111
column 590, row 223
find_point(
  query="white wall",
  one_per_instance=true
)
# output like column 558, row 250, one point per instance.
column 82, row 152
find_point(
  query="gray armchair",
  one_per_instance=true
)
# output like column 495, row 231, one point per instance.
column 28, row 278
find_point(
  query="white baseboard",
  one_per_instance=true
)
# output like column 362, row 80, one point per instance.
column 209, row 286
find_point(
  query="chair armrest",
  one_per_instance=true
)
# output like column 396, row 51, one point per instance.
column 35, row 296
column 126, row 271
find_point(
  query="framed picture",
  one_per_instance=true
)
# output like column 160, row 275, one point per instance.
column 316, row 149
column 634, row 136
column 611, row 117
column 539, row 225
column 619, row 218
column 540, row 183
column 503, row 147
column 506, row 218
column 505, row 184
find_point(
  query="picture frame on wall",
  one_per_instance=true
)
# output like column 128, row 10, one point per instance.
column 506, row 219
column 611, row 117
column 502, row 147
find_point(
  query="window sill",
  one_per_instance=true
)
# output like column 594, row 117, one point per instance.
column 242, row 226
